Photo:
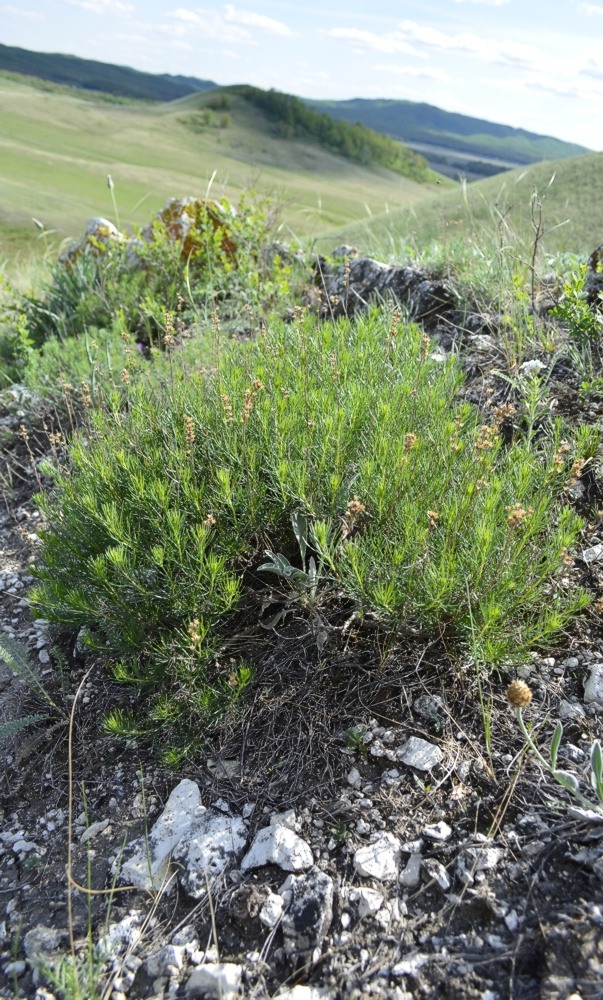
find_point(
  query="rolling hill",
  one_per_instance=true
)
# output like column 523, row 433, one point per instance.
column 87, row 74
column 453, row 143
column 57, row 148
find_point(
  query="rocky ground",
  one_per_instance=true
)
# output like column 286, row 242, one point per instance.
column 352, row 835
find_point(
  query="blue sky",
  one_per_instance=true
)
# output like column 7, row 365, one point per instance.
column 534, row 64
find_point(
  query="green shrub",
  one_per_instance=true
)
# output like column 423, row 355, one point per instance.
column 584, row 324
column 418, row 513
column 146, row 288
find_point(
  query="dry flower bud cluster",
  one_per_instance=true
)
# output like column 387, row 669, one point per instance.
column 516, row 514
column 432, row 516
column 519, row 694
column 354, row 511
column 193, row 631
column 250, row 397
column 189, row 430
column 504, row 413
column 485, row 438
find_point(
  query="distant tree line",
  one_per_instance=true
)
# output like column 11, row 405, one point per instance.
column 294, row 120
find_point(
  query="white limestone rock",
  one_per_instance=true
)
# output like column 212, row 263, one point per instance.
column 212, row 842
column 272, row 910
column 309, row 915
column 147, row 861
column 436, row 871
column 368, row 901
column 420, row 754
column 221, row 980
column 380, row 859
column 410, row 876
column 438, row 831
column 593, row 689
column 278, row 845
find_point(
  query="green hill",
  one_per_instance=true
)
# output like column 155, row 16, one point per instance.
column 293, row 119
column 88, row 74
column 57, row 148
column 452, row 140
column 571, row 192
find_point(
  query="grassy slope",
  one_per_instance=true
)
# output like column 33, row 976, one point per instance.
column 56, row 151
column 572, row 212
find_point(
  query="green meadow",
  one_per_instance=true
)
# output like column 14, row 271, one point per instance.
column 58, row 146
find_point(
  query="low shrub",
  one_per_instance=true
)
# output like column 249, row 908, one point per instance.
column 416, row 511
column 137, row 284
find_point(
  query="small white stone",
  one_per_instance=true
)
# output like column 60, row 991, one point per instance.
column 436, row 871
column 411, row 875
column 438, row 831
column 570, row 710
column 409, row 966
column 44, row 656
column 221, row 980
column 354, row 778
column 305, row 993
column 23, row 846
column 288, row 819
column 592, row 555
column 369, row 901
column 212, row 842
column 272, row 910
column 15, row 968
column 420, row 754
column 380, row 859
column 570, row 662
column 161, row 964
column 363, row 828
column 483, row 859
column 593, row 689
column 412, row 846
column 278, row 845
column 93, row 830
column 512, row 921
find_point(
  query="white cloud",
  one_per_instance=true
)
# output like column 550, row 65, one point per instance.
column 103, row 6
column 29, row 15
column 591, row 8
column 229, row 25
column 253, row 20
column 409, row 34
column 390, row 43
column 418, row 72
column 486, row 3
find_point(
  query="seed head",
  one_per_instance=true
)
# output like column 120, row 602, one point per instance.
column 519, row 694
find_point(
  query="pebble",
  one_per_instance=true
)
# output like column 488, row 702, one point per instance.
column 272, row 910
column 570, row 710
column 593, row 689
column 368, row 900
column 438, row 831
column 436, row 871
column 593, row 554
column 380, row 859
column 278, row 845
column 420, row 754
column 411, row 874
column 216, row 979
